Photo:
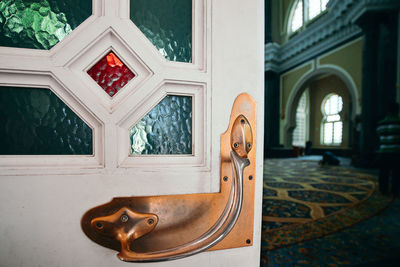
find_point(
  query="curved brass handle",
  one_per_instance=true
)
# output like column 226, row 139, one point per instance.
column 127, row 224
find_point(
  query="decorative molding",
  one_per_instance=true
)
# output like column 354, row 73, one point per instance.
column 272, row 57
column 327, row 31
column 361, row 7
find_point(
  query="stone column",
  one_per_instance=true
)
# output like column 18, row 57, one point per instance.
column 271, row 118
column 379, row 72
column 268, row 21
column 272, row 95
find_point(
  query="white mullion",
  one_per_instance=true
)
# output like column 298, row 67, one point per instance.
column 333, row 132
column 24, row 63
column 199, row 34
column 145, row 50
column 110, row 145
column 190, row 75
column 97, row 7
column 139, row 98
column 76, row 48
column 110, row 8
column 124, row 9
column 28, row 52
column 78, row 90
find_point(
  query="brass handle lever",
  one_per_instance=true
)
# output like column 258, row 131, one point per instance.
column 136, row 223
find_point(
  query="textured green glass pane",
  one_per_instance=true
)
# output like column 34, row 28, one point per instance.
column 35, row 121
column 40, row 24
column 166, row 129
column 167, row 24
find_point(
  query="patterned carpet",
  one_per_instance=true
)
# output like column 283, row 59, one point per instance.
column 374, row 242
column 305, row 201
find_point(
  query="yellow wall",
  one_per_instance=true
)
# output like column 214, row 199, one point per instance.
column 349, row 58
column 288, row 83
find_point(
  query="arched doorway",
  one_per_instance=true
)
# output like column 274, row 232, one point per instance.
column 318, row 84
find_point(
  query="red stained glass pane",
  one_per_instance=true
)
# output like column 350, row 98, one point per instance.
column 111, row 74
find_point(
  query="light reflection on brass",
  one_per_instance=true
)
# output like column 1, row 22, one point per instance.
column 173, row 226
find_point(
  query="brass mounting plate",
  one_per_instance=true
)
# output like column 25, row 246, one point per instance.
column 182, row 218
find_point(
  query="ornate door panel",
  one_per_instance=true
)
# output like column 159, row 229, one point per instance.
column 117, row 98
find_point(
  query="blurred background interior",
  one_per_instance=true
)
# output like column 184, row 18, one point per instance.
column 331, row 75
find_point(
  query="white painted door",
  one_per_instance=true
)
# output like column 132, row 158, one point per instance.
column 43, row 198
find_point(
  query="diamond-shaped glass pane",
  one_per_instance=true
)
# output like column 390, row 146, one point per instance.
column 111, row 74
column 166, row 129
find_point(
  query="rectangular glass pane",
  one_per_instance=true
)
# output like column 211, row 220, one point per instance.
column 34, row 121
column 338, row 130
column 167, row 24
column 328, row 133
column 166, row 129
column 299, row 133
column 314, row 8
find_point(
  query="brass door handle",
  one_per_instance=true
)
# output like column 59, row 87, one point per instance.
column 135, row 224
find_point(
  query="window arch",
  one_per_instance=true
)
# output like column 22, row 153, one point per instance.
column 303, row 11
column 332, row 124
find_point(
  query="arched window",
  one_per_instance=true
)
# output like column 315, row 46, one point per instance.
column 315, row 7
column 332, row 124
column 300, row 132
column 304, row 10
column 296, row 16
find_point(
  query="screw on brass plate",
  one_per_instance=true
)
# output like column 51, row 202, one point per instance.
column 124, row 218
column 236, row 145
column 225, row 178
column 242, row 121
column 251, row 177
column 150, row 221
column 99, row 225
column 248, row 241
